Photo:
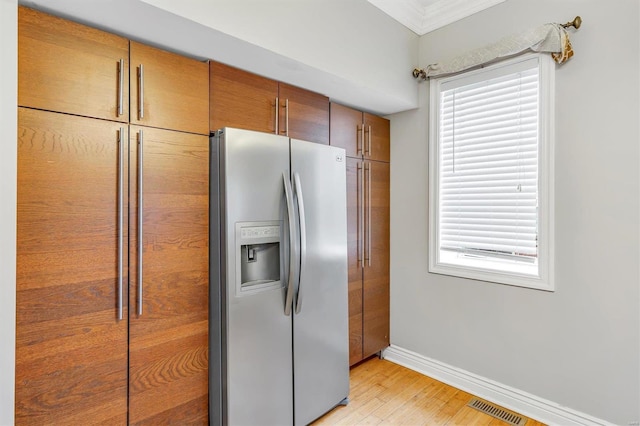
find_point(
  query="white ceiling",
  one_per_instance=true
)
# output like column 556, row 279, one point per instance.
column 423, row 16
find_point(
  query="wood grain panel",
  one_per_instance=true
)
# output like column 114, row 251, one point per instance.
column 176, row 90
column 67, row 67
column 376, row 273
column 308, row 114
column 377, row 138
column 346, row 129
column 169, row 341
column 71, row 350
column 241, row 99
column 354, row 187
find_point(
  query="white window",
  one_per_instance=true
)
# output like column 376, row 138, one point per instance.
column 491, row 173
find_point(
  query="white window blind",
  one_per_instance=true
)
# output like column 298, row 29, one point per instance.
column 488, row 164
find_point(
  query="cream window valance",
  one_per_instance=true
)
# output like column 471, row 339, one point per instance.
column 551, row 38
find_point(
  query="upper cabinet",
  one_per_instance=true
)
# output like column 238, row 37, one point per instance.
column 303, row 114
column 361, row 134
column 67, row 67
column 248, row 101
column 377, row 134
column 241, row 99
column 168, row 90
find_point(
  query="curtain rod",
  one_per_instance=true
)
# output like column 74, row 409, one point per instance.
column 577, row 21
column 461, row 63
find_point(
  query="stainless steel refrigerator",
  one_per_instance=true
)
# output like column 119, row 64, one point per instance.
column 279, row 310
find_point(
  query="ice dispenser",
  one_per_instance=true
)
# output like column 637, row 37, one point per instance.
column 258, row 256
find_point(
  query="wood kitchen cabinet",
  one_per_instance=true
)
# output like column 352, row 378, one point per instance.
column 71, row 68
column 361, row 134
column 168, row 326
column 375, row 294
column 94, row 342
column 71, row 337
column 168, row 90
column 248, row 101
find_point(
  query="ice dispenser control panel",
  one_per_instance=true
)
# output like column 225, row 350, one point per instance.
column 257, row 256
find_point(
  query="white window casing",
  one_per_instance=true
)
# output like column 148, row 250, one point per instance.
column 491, row 173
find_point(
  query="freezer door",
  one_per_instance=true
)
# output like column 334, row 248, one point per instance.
column 258, row 376
column 320, row 324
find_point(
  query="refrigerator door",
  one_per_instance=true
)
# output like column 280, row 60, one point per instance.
column 256, row 365
column 320, row 323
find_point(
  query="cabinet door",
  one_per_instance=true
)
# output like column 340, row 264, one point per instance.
column 241, row 99
column 346, row 129
column 71, row 346
column 169, row 91
column 168, row 331
column 303, row 114
column 71, row 68
column 355, row 198
column 376, row 263
column 377, row 138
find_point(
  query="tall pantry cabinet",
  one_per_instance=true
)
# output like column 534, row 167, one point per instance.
column 112, row 278
column 365, row 137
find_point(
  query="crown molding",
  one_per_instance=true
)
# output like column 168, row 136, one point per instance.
column 409, row 13
column 423, row 19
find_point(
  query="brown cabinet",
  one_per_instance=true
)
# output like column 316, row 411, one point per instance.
column 71, row 342
column 248, row 101
column 168, row 325
column 68, row 67
column 362, row 134
column 89, row 349
column 168, row 90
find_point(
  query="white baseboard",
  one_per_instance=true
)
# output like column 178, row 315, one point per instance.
column 513, row 399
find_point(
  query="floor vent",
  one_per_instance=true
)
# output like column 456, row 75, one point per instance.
column 497, row 412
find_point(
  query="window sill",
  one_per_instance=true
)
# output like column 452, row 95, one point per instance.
column 479, row 269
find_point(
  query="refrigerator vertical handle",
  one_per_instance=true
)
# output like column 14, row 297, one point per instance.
column 292, row 252
column 303, row 239
column 140, row 219
column 120, row 219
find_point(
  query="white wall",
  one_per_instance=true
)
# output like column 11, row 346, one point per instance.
column 8, row 136
column 578, row 346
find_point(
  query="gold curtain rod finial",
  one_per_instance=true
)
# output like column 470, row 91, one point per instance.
column 576, row 23
column 418, row 73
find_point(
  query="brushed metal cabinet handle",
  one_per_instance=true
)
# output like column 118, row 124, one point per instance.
column 360, row 211
column 120, row 86
column 141, row 92
column 277, row 115
column 360, row 148
column 120, row 219
column 140, row 218
column 369, row 141
column 292, row 250
column 286, row 117
column 362, row 233
column 368, row 169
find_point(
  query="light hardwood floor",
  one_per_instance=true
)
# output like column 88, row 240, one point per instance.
column 385, row 393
